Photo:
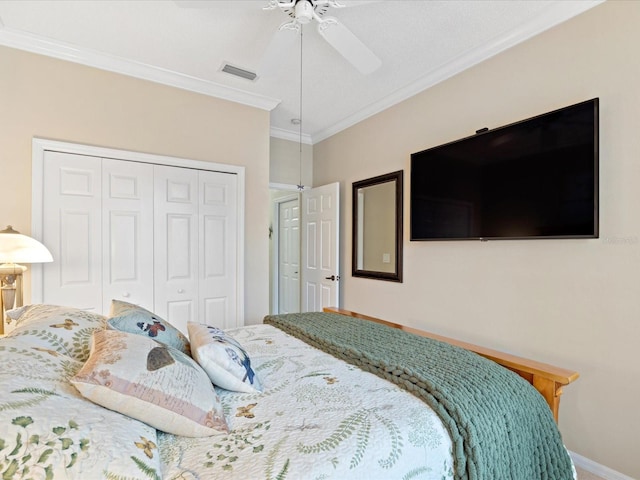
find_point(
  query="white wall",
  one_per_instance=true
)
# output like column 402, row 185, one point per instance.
column 574, row 303
column 49, row 98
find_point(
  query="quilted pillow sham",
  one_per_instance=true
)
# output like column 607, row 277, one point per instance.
column 64, row 330
column 223, row 358
column 131, row 318
column 151, row 382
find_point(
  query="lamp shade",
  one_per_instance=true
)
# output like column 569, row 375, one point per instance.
column 18, row 248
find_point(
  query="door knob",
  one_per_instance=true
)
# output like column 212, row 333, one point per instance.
column 126, row 294
column 333, row 278
column 180, row 290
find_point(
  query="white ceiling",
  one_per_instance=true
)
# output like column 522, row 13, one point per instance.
column 420, row 43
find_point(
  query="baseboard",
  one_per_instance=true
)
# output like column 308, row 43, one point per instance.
column 596, row 468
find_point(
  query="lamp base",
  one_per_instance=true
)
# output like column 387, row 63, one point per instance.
column 11, row 289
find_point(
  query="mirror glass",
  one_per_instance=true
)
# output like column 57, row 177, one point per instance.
column 377, row 227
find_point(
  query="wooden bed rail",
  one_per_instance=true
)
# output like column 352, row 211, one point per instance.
column 545, row 378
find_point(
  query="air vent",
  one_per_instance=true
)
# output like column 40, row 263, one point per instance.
column 239, row 72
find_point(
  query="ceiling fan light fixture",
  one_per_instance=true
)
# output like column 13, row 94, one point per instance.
column 304, row 11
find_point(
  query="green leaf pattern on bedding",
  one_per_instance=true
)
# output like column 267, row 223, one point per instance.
column 364, row 428
column 359, row 425
column 232, row 445
column 47, row 429
column 64, row 330
column 76, row 347
column 317, row 418
column 35, row 453
column 39, row 395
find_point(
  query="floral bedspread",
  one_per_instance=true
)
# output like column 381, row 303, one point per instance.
column 47, row 429
column 318, row 418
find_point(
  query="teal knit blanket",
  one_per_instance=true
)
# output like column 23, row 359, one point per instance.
column 500, row 426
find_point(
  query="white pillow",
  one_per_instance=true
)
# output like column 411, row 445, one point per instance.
column 223, row 358
column 151, row 382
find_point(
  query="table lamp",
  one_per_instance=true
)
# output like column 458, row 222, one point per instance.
column 16, row 248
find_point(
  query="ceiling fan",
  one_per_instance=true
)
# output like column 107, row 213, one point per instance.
column 335, row 33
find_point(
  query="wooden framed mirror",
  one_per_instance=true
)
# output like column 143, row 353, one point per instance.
column 377, row 227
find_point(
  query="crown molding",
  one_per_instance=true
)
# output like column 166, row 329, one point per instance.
column 558, row 13
column 291, row 135
column 63, row 51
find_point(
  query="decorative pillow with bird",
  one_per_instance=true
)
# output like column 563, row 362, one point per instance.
column 151, row 382
column 223, row 358
column 131, row 318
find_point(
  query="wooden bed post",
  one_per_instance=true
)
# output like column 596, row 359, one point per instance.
column 551, row 391
column 545, row 378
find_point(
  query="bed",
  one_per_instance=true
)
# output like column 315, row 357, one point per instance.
column 325, row 395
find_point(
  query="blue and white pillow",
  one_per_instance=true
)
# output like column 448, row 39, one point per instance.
column 131, row 318
column 223, row 358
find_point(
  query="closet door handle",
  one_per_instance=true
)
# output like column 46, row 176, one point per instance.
column 181, row 290
column 126, row 294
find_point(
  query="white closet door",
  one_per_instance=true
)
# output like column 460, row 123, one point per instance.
column 217, row 247
column 176, row 245
column 127, row 232
column 163, row 237
column 71, row 230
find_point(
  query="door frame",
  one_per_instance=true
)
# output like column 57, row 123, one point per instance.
column 275, row 248
column 42, row 145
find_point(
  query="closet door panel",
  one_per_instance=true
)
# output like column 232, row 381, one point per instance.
column 71, row 230
column 127, row 232
column 75, row 248
column 176, row 245
column 180, row 238
column 180, row 309
column 218, row 248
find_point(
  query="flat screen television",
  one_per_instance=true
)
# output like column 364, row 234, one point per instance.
column 537, row 178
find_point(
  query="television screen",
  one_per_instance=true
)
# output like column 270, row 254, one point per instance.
column 537, row 178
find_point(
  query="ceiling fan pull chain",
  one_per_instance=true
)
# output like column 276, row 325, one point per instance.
column 300, row 184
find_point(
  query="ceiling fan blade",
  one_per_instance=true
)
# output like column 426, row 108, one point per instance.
column 359, row 3
column 349, row 46
column 193, row 3
column 280, row 45
column 339, row 4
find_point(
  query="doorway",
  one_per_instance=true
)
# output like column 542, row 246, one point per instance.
column 305, row 263
column 285, row 275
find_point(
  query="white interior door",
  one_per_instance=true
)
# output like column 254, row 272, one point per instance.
column 72, row 200
column 176, row 245
column 289, row 256
column 320, row 241
column 127, row 232
column 218, row 249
